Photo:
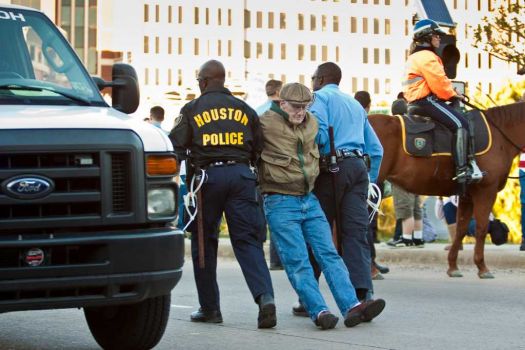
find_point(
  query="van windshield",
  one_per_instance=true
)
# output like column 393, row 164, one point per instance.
column 38, row 66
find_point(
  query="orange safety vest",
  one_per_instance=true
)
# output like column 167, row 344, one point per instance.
column 424, row 74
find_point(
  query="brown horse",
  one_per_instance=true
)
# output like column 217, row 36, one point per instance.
column 433, row 175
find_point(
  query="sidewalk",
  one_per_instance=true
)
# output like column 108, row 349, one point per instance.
column 506, row 256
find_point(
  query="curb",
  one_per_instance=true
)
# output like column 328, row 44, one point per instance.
column 507, row 256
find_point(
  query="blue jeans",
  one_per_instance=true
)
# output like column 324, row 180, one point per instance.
column 295, row 221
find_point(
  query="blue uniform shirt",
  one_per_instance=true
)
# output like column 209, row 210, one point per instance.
column 264, row 107
column 352, row 130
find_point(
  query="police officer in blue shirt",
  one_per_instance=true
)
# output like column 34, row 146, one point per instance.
column 353, row 138
column 222, row 136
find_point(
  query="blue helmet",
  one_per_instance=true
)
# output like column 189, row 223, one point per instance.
column 424, row 28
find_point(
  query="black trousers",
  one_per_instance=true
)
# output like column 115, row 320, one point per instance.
column 231, row 190
column 351, row 195
column 439, row 111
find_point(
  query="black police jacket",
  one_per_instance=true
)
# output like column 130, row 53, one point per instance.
column 217, row 127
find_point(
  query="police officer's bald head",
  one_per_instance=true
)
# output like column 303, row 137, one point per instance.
column 326, row 73
column 211, row 74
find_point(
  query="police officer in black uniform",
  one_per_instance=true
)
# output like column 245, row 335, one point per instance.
column 221, row 135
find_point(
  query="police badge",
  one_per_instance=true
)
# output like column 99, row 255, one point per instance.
column 420, row 143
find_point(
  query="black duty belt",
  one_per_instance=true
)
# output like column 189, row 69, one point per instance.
column 343, row 153
column 220, row 163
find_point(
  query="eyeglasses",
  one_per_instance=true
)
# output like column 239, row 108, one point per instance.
column 298, row 106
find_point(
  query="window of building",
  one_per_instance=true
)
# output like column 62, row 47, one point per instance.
column 365, row 84
column 170, row 14
column 466, row 4
column 337, row 53
column 388, row 86
column 376, row 86
column 466, row 59
column 324, row 53
column 259, row 19
column 490, row 88
column 323, row 23
column 387, row 56
column 365, row 1
column 479, row 5
column 455, row 4
column 207, row 16
column 300, row 21
column 376, row 56
column 146, row 13
column 489, row 60
column 365, row 25
column 283, row 78
column 146, row 76
column 365, row 55
column 247, row 49
column 313, row 23
column 229, row 17
column 300, row 52
column 229, row 48
column 387, row 2
column 219, row 47
column 146, row 44
column 208, row 48
column 301, row 79
column 179, row 46
column 479, row 60
column 313, row 52
column 490, row 8
column 270, row 20
column 157, row 13
column 259, row 50
column 336, row 24
column 466, row 30
column 196, row 15
column 195, row 46
column 270, row 51
column 180, row 14
column 387, row 26
column 219, row 17
column 157, row 44
column 157, row 79
column 170, row 48
column 376, row 2
column 354, row 85
column 376, row 25
column 282, row 20
column 247, row 19
column 179, row 77
column 353, row 24
column 169, row 76
column 283, row 51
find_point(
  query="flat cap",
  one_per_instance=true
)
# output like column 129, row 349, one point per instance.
column 296, row 93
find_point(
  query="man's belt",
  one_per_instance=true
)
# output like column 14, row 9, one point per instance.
column 341, row 154
column 221, row 163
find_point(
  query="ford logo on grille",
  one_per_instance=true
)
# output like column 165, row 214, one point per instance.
column 28, row 187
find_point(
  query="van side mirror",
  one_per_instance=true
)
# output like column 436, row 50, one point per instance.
column 124, row 86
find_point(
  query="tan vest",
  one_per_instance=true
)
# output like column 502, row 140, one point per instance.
column 290, row 157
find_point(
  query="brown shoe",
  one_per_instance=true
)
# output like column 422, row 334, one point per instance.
column 364, row 312
column 326, row 320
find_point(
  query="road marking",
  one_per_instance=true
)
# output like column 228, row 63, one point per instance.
column 182, row 306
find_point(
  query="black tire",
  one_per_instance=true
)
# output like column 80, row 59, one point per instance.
column 137, row 326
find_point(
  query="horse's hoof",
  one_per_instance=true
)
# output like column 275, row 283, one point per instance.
column 485, row 275
column 455, row 273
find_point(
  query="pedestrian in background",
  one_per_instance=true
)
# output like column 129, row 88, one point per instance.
column 156, row 117
column 220, row 134
column 288, row 169
column 273, row 88
column 353, row 137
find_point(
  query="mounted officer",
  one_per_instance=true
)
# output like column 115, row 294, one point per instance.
column 426, row 88
column 221, row 137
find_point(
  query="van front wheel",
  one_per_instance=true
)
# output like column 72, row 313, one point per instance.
column 137, row 326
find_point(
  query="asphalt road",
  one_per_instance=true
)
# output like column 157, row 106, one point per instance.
column 425, row 310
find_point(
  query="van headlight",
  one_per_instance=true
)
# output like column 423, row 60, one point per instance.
column 161, row 202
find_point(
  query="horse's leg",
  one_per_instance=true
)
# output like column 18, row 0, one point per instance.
column 462, row 219
column 483, row 206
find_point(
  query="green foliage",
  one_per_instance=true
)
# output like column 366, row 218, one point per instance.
column 503, row 34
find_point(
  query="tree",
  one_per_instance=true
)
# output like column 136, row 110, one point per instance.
column 503, row 35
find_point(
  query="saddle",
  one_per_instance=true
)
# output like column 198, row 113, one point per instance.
column 422, row 137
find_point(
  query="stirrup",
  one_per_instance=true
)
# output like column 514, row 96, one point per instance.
column 461, row 177
column 476, row 174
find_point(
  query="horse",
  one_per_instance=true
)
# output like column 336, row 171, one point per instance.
column 433, row 175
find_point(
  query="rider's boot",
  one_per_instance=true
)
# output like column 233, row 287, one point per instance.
column 460, row 156
column 475, row 173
